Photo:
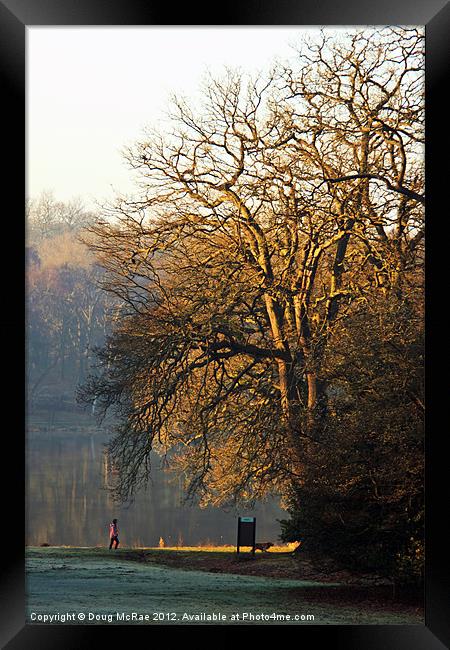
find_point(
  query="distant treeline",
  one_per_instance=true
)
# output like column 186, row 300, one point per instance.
column 67, row 314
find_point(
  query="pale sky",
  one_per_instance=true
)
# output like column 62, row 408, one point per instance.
column 92, row 90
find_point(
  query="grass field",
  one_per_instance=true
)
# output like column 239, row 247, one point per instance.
column 190, row 582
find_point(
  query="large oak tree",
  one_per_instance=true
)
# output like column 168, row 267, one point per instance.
column 262, row 219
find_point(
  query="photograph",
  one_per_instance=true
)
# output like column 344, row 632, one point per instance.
column 224, row 266
column 224, row 249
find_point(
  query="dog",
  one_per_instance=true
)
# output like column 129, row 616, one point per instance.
column 263, row 546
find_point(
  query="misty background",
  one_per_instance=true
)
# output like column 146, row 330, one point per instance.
column 90, row 92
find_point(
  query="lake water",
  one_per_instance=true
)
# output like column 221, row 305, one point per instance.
column 68, row 501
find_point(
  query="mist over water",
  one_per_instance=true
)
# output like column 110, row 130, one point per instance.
column 68, row 502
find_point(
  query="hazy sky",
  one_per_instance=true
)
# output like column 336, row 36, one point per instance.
column 90, row 91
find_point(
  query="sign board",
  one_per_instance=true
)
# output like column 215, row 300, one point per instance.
column 246, row 535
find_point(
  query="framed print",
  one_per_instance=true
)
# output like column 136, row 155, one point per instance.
column 242, row 301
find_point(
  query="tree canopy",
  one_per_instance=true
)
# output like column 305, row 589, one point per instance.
column 267, row 224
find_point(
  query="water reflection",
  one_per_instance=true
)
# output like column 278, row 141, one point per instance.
column 68, row 502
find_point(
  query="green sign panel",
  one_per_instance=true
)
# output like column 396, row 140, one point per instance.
column 246, row 533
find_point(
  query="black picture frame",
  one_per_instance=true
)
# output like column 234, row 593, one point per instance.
column 15, row 17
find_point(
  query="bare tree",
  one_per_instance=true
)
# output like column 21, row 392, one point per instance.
column 262, row 220
column 47, row 217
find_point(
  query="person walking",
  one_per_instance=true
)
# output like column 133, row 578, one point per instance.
column 113, row 534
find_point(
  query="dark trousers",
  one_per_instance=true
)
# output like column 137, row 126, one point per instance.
column 114, row 539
